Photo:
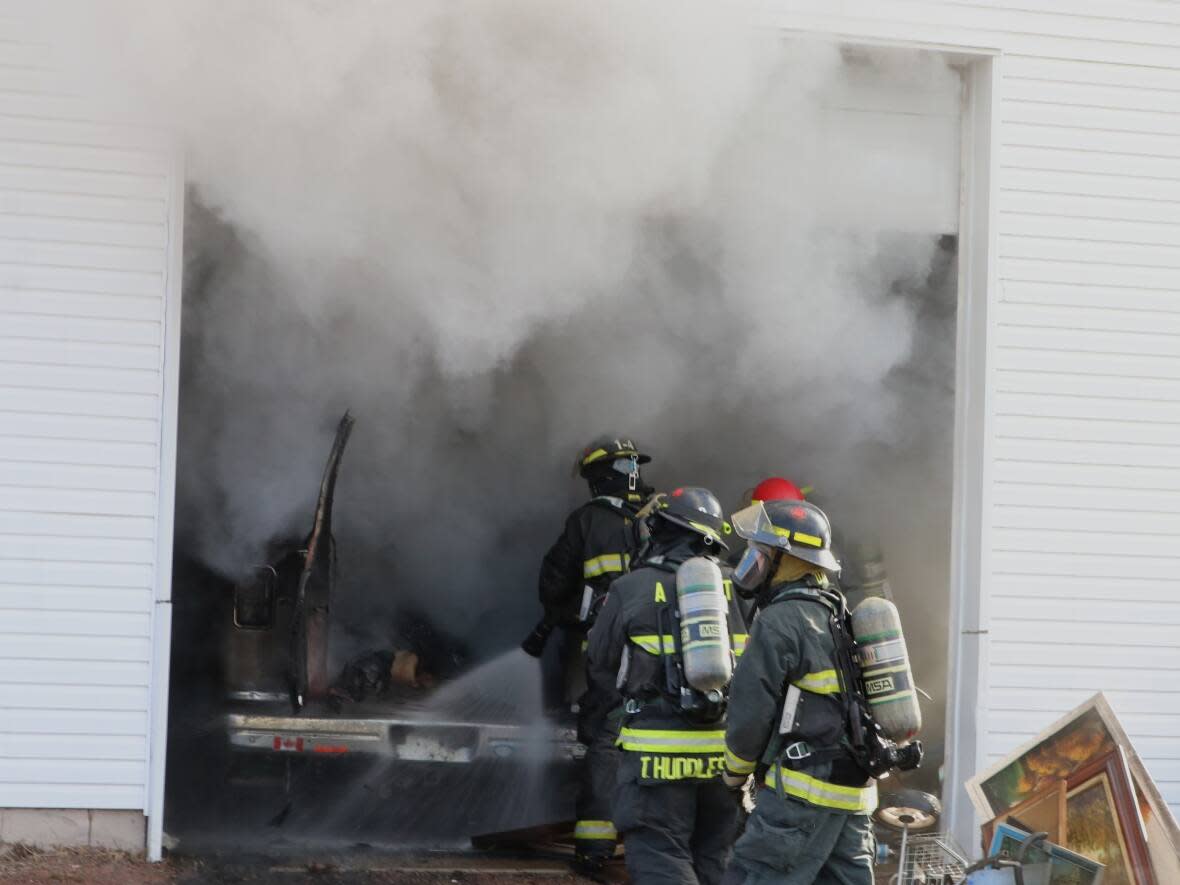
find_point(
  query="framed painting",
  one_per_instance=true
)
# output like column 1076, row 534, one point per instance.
column 1064, row 867
column 1102, row 821
column 1088, row 732
column 1042, row 812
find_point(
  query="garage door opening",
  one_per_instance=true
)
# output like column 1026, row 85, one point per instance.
column 782, row 302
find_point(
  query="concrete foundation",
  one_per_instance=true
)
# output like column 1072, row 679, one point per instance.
column 74, row 828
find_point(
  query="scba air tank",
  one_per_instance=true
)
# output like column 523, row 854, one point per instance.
column 704, row 625
column 885, row 667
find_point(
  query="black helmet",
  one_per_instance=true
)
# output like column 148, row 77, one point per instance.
column 697, row 510
column 606, row 449
column 795, row 527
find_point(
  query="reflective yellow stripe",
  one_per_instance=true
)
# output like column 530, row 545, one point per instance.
column 650, row 643
column 823, row 682
column 704, row 529
column 809, row 540
column 607, row 563
column 652, row 740
column 822, row 793
column 595, row 829
column 594, row 456
column 737, row 764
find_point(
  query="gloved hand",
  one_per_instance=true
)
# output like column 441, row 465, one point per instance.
column 734, row 781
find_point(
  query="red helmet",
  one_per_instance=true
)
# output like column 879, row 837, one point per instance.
column 775, row 488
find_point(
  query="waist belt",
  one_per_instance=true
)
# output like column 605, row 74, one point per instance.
column 844, row 771
column 824, row 794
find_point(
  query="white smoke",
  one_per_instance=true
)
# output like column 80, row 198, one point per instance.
column 496, row 228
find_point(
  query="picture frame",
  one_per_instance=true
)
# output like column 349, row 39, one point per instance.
column 1094, row 721
column 1042, row 812
column 1103, row 820
column 1065, row 866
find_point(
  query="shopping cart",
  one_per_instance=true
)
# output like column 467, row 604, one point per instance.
column 929, row 860
column 922, row 858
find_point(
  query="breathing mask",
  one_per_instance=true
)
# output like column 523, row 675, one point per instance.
column 629, row 467
column 753, row 568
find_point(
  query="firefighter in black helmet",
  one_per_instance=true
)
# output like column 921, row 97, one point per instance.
column 788, row 723
column 595, row 547
column 677, row 819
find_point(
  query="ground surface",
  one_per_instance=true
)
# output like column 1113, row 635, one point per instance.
column 22, row 866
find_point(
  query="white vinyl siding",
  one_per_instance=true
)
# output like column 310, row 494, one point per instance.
column 1082, row 565
column 85, row 215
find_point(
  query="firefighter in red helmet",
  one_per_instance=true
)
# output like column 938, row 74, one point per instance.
column 776, row 488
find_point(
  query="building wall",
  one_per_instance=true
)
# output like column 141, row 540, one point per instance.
column 1083, row 476
column 87, row 255
column 1080, row 561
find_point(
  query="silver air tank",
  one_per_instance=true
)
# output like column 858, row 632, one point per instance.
column 704, row 625
column 885, row 666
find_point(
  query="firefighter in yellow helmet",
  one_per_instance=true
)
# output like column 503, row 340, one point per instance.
column 594, row 549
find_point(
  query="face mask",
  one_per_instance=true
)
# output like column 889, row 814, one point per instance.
column 629, row 467
column 752, row 570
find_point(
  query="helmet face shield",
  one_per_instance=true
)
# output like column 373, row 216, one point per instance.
column 753, row 523
column 795, row 527
column 752, row 569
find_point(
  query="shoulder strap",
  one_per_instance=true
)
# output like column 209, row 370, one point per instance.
column 805, row 593
column 615, row 505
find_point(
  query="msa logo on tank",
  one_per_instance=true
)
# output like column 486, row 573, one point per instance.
column 880, row 685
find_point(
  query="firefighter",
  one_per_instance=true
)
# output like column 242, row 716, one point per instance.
column 773, row 488
column 787, row 723
column 676, row 818
column 863, row 574
column 594, row 548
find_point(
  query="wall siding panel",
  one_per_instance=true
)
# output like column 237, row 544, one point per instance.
column 1085, row 421
column 84, row 262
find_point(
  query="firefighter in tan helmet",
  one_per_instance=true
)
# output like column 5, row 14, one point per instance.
column 787, row 720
